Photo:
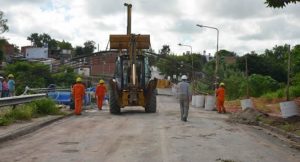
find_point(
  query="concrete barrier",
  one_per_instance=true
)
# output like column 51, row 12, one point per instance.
column 200, row 100
column 289, row 109
column 246, row 103
column 210, row 102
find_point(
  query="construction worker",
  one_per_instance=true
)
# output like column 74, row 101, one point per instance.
column 78, row 93
column 100, row 93
column 11, row 85
column 220, row 93
column 1, row 79
column 184, row 95
column 4, row 88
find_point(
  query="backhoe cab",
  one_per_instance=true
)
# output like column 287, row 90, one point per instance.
column 132, row 84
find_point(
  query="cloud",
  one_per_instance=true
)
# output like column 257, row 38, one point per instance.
column 10, row 3
column 278, row 28
column 96, row 8
column 157, row 7
column 184, row 26
column 236, row 9
column 244, row 25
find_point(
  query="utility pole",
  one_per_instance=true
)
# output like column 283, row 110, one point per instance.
column 247, row 82
column 288, row 74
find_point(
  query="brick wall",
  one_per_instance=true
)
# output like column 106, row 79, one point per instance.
column 103, row 64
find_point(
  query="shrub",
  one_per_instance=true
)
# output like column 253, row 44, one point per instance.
column 295, row 91
column 23, row 112
column 46, row 107
column 260, row 85
column 4, row 121
column 28, row 111
column 277, row 94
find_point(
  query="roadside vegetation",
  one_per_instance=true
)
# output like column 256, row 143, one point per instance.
column 267, row 72
column 37, row 75
column 28, row 111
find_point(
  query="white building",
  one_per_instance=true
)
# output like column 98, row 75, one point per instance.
column 36, row 53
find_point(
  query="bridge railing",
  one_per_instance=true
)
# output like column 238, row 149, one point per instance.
column 15, row 100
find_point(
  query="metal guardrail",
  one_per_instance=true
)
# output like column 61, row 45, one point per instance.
column 12, row 101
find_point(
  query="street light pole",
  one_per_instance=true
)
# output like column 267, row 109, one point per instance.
column 193, row 77
column 217, row 56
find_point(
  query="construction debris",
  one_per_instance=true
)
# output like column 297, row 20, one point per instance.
column 249, row 116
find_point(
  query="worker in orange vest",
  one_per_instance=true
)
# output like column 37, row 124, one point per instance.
column 221, row 98
column 78, row 93
column 100, row 93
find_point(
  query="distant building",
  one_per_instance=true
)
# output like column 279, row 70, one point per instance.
column 23, row 49
column 36, row 52
column 103, row 64
column 9, row 50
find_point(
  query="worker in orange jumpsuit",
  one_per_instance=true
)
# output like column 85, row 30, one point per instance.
column 220, row 92
column 78, row 93
column 100, row 93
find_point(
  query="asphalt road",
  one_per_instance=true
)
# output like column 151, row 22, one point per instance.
column 135, row 136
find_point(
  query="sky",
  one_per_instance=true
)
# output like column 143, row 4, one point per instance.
column 244, row 25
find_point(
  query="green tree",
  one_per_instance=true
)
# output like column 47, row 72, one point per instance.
column 279, row 3
column 35, row 39
column 1, row 56
column 3, row 23
column 2, row 43
column 39, row 74
column 64, row 77
column 295, row 57
column 65, row 45
column 53, row 44
column 79, row 50
column 260, row 85
column 264, row 65
column 165, row 50
column 89, row 47
column 16, row 49
column 45, row 38
column 235, row 85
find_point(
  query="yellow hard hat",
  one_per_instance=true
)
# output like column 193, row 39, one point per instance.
column 10, row 76
column 222, row 84
column 101, row 81
column 78, row 79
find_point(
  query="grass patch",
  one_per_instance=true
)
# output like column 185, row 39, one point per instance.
column 297, row 132
column 23, row 112
column 265, row 120
column 28, row 111
column 46, row 107
column 288, row 127
column 274, row 95
column 4, row 121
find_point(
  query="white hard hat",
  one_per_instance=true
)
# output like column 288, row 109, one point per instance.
column 184, row 77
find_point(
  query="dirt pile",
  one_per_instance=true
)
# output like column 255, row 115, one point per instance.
column 248, row 116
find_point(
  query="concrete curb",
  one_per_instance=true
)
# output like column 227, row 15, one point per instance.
column 295, row 139
column 30, row 129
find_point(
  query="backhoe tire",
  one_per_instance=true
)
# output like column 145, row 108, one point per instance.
column 151, row 105
column 114, row 108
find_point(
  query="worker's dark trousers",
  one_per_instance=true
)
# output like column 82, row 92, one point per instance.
column 184, row 108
